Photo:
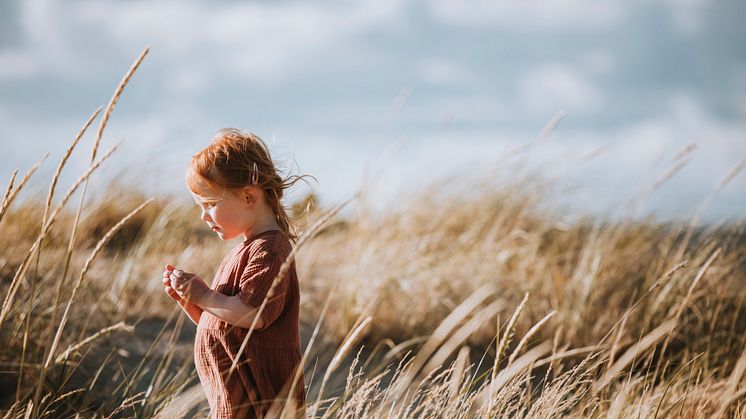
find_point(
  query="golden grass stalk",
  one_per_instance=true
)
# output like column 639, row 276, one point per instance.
column 446, row 327
column 664, row 278
column 706, row 204
column 99, row 134
column 63, row 161
column 507, row 335
column 487, row 393
column 551, row 126
column 10, row 188
column 619, row 325
column 296, row 376
column 71, row 243
column 685, row 301
column 685, row 151
column 11, row 410
column 726, row 404
column 87, row 265
column 128, row 402
column 352, row 338
column 668, row 174
column 180, row 405
column 731, row 174
column 641, row 346
column 460, row 335
column 529, row 334
column 620, row 401
column 47, row 207
column 457, row 374
column 442, row 332
column 115, row 98
column 671, row 381
column 103, row 332
column 570, row 353
column 8, row 200
column 731, row 393
column 58, row 399
column 634, row 202
column 29, row 409
column 44, row 230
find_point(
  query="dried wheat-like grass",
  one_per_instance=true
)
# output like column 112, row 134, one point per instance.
column 45, row 229
column 182, row 403
column 488, row 393
column 646, row 342
column 507, row 336
column 115, row 98
column 128, row 402
column 63, row 161
column 460, row 335
column 103, row 332
column 355, row 335
column 87, row 265
column 9, row 189
column 8, row 200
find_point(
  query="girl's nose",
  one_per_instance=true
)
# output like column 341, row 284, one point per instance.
column 205, row 216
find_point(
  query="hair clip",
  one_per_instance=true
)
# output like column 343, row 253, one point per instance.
column 254, row 175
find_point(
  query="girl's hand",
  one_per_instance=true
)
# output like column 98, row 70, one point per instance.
column 189, row 287
column 167, row 285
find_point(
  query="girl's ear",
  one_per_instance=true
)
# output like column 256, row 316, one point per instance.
column 249, row 195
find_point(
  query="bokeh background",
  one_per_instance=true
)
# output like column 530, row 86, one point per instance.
column 398, row 92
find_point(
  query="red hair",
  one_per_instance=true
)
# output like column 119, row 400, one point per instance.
column 227, row 163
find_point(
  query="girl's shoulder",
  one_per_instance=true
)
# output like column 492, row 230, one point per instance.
column 271, row 241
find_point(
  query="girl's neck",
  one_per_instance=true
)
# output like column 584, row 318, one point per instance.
column 260, row 228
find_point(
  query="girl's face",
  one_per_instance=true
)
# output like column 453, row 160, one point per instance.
column 228, row 214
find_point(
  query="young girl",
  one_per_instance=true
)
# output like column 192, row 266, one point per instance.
column 235, row 183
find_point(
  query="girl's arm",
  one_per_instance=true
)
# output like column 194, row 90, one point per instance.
column 229, row 308
column 192, row 310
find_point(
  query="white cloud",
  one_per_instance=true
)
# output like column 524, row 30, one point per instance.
column 599, row 61
column 460, row 109
column 189, row 80
column 570, row 15
column 442, row 71
column 573, row 14
column 687, row 14
column 554, row 86
column 266, row 42
column 17, row 64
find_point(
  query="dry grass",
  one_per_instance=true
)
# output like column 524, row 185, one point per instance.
column 474, row 305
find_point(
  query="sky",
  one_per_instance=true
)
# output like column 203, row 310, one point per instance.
column 391, row 96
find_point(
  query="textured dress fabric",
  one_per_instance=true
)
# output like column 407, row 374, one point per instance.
column 268, row 363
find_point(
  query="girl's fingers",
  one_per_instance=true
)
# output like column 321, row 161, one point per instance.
column 172, row 294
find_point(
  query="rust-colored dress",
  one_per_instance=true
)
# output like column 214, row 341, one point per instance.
column 269, row 360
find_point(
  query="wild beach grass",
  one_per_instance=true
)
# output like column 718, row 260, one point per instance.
column 472, row 306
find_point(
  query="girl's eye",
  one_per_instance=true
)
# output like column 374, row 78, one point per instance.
column 208, row 205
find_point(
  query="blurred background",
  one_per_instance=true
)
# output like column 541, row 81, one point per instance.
column 392, row 95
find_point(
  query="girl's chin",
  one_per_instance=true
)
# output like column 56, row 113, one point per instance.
column 221, row 234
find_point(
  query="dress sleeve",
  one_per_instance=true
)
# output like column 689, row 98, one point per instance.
column 256, row 281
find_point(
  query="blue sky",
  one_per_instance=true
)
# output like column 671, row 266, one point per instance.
column 405, row 91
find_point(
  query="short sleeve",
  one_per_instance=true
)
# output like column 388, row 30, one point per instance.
column 256, row 281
